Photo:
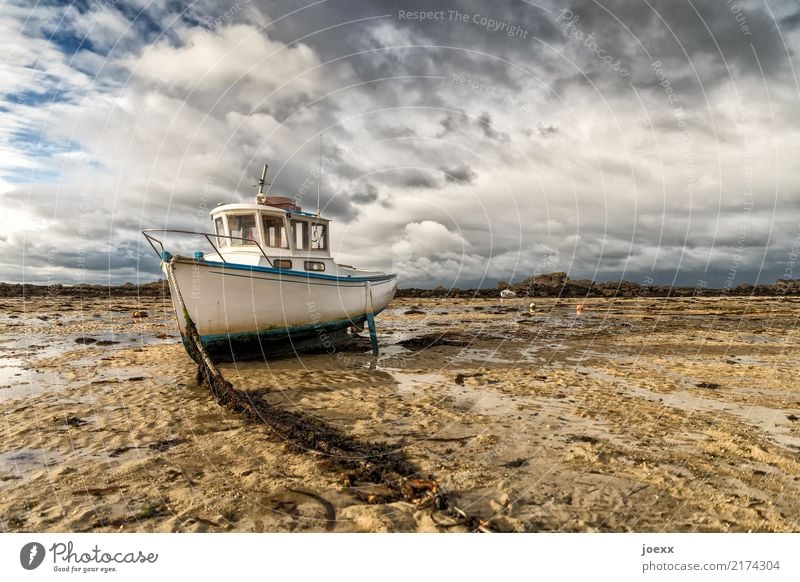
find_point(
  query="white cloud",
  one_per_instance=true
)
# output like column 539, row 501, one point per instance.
column 427, row 239
column 237, row 61
column 594, row 175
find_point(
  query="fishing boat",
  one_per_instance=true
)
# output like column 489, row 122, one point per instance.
column 265, row 284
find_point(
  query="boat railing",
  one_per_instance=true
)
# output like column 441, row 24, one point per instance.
column 207, row 235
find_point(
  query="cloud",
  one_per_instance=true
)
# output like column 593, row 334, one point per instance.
column 237, row 63
column 428, row 238
column 429, row 250
column 459, row 175
column 365, row 195
column 456, row 153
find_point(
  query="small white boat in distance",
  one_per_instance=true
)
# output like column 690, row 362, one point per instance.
column 264, row 283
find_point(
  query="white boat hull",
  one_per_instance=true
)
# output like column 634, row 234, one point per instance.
column 239, row 307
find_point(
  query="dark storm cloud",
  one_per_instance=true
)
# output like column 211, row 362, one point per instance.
column 416, row 178
column 395, row 132
column 676, row 32
column 485, row 123
column 459, row 175
column 693, row 30
column 453, row 124
column 366, row 194
column 604, row 167
column 452, row 41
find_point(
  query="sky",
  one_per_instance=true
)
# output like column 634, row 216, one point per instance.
column 463, row 142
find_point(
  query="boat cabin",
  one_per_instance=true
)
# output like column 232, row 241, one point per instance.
column 278, row 235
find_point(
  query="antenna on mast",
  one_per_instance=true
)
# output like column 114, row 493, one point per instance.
column 319, row 171
column 260, row 197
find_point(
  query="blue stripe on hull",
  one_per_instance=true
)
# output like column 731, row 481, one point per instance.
column 290, row 273
column 288, row 280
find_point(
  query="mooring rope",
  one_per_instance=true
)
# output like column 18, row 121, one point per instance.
column 363, row 463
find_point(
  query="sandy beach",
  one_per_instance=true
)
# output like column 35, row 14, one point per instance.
column 643, row 414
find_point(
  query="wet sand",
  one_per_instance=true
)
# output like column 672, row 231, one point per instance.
column 642, row 415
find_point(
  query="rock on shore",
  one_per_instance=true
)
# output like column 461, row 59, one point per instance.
column 556, row 284
column 560, row 285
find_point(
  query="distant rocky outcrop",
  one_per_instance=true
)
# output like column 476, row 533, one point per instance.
column 155, row 289
column 546, row 285
column 444, row 292
column 558, row 284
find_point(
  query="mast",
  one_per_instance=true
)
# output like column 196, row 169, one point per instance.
column 319, row 170
column 260, row 197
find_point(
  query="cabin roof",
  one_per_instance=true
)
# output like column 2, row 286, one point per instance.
column 253, row 206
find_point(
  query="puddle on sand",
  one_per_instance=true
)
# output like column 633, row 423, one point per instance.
column 20, row 377
column 18, row 381
column 22, row 320
column 21, row 463
column 749, row 360
column 770, row 420
column 478, row 355
column 762, row 339
column 524, row 424
column 11, row 371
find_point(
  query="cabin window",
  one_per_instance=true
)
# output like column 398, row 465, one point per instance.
column 315, row 266
column 282, row 263
column 274, row 232
column 220, row 228
column 243, row 228
column 319, row 237
column 300, row 234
